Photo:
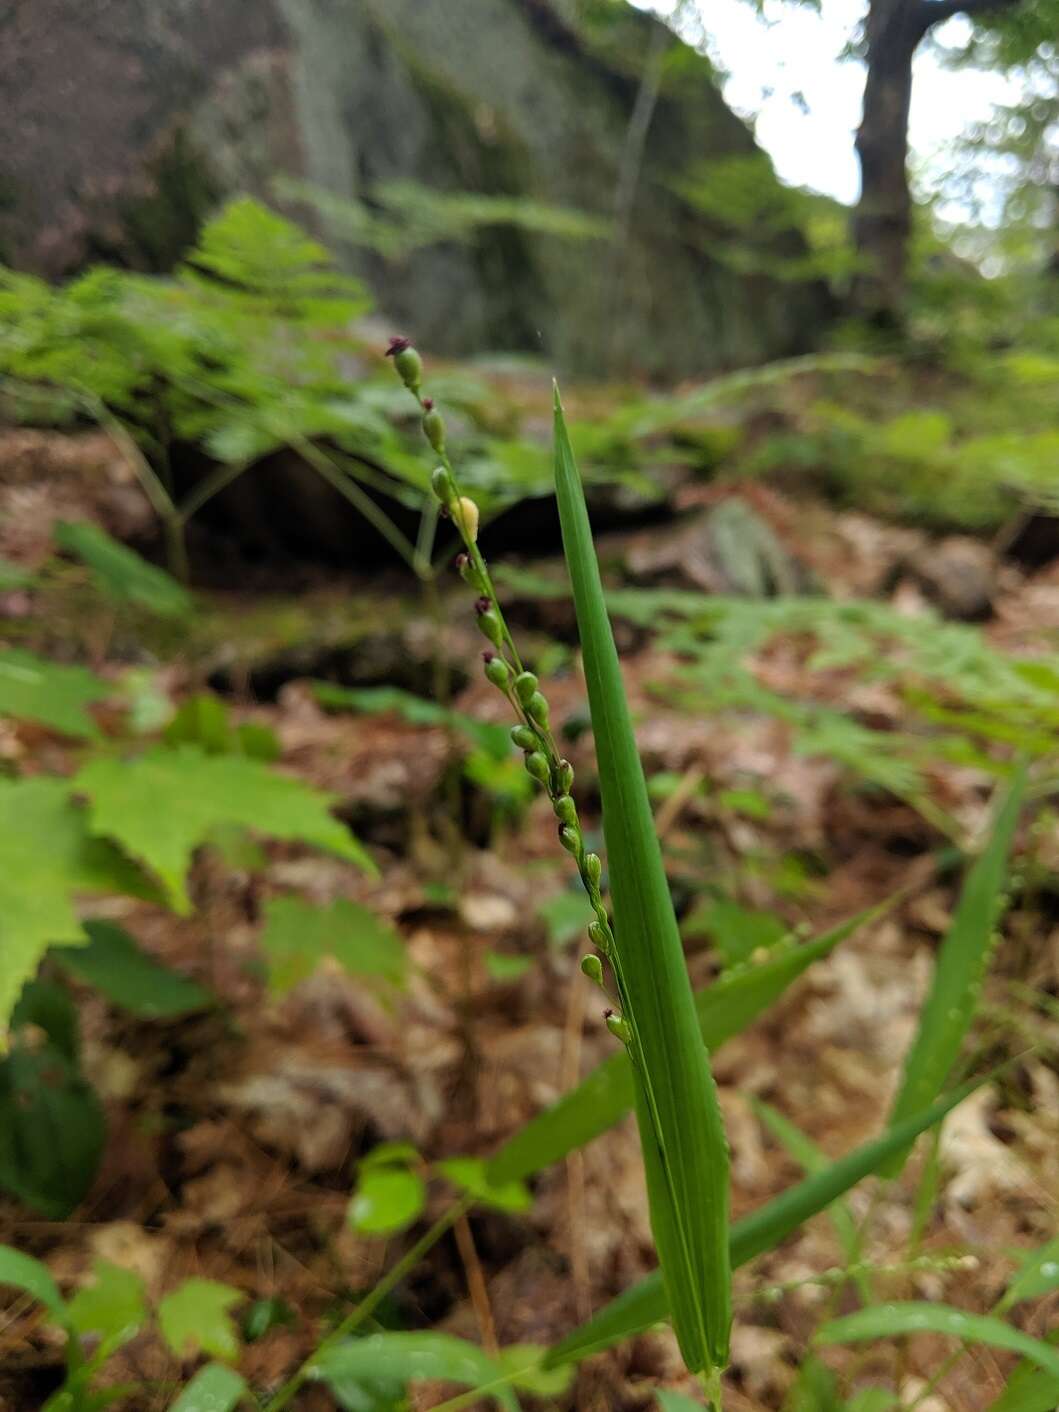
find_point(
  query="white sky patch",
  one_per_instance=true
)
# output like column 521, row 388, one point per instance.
column 786, row 73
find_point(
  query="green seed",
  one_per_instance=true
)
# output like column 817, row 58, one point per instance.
column 489, row 624
column 442, row 486
column 434, row 429
column 570, row 839
column 566, row 810
column 537, row 710
column 496, row 671
column 564, row 777
column 592, row 967
column 537, row 766
column 593, row 868
column 409, row 366
column 525, row 737
column 525, row 686
column 619, row 1028
column 598, row 936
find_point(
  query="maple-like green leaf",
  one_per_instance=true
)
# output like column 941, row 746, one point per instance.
column 48, row 856
column 298, row 936
column 32, row 689
column 113, row 1307
column 162, row 806
column 195, row 1318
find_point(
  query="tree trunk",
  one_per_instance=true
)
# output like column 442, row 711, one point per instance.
column 883, row 220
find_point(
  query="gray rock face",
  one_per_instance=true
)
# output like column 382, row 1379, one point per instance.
column 126, row 121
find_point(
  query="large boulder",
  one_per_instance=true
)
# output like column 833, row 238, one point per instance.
column 126, row 120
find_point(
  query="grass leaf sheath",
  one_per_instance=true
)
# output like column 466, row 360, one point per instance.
column 684, row 1147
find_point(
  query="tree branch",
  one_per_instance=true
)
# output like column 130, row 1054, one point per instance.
column 929, row 13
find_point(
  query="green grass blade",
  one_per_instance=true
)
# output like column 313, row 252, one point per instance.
column 645, row 1303
column 917, row 1316
column 605, row 1095
column 960, row 969
column 684, row 1146
column 806, row 1153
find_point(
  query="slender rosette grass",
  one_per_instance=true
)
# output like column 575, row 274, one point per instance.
column 684, row 1147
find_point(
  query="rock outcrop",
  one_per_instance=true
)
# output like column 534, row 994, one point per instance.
column 125, row 121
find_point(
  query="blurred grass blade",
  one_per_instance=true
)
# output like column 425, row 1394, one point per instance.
column 681, row 1133
column 645, row 1303
column 959, row 971
column 604, row 1097
column 917, row 1316
column 1030, row 1389
column 806, row 1153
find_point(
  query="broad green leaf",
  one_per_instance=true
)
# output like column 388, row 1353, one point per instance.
column 195, row 1319
column 214, row 1388
column 51, row 1008
column 202, row 720
column 736, row 931
column 114, row 964
column 603, row 1098
column 32, row 689
column 386, row 1200
column 895, row 1320
column 46, row 857
column 298, row 936
column 415, row 1357
column 645, row 1304
column 120, row 572
column 472, row 1176
column 163, row 805
column 19, row 1271
column 949, row 1008
column 566, row 915
column 1038, row 1274
column 681, row 1133
column 52, row 1130
column 113, row 1306
column 390, row 1154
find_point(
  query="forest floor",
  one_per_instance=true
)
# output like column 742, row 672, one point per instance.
column 234, row 1134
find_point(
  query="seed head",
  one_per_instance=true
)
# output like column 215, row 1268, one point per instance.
column 598, row 936
column 465, row 513
column 536, row 709
column 592, row 967
column 525, row 686
column 442, row 486
column 490, row 626
column 537, row 766
column 407, row 361
column 619, row 1027
column 496, row 670
column 433, row 426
